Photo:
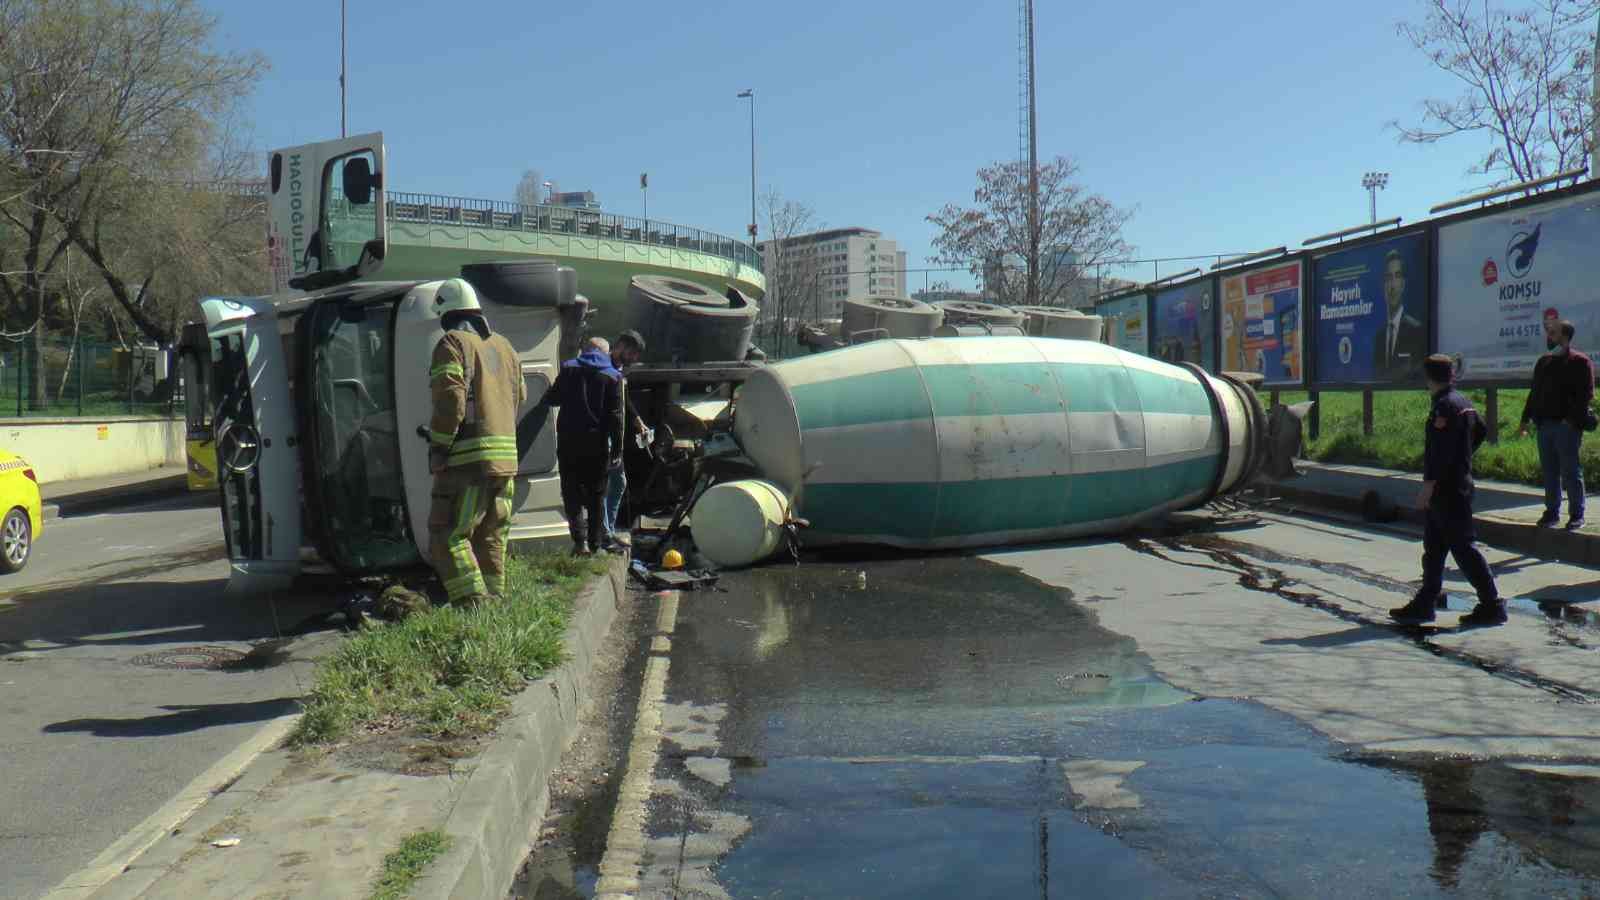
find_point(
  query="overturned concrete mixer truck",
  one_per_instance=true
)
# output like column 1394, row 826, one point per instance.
column 319, row 399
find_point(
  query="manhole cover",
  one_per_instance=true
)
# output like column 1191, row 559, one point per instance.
column 191, row 658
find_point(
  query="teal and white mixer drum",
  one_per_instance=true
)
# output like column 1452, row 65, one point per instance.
column 962, row 442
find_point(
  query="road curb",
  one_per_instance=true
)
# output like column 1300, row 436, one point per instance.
column 494, row 820
column 102, row 499
column 1574, row 547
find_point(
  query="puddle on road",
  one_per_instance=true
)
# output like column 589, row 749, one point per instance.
column 1232, row 800
column 948, row 727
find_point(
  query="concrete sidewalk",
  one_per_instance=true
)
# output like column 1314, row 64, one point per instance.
column 317, row 824
column 85, row 495
column 1505, row 514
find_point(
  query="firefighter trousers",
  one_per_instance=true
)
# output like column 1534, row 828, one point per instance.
column 467, row 528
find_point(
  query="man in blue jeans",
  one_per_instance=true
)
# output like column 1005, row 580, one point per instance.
column 1558, row 405
column 625, row 351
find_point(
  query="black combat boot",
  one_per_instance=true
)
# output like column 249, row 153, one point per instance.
column 1487, row 612
column 580, row 541
column 1417, row 612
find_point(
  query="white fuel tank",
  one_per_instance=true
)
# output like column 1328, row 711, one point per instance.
column 956, row 442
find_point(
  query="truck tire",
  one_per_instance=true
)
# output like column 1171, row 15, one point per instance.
column 900, row 317
column 685, row 322
column 525, row 283
column 969, row 312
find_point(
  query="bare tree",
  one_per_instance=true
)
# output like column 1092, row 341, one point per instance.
column 1525, row 82
column 101, row 101
column 793, row 270
column 528, row 189
column 1076, row 230
column 165, row 235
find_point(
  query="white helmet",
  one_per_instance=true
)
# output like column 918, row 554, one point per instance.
column 456, row 295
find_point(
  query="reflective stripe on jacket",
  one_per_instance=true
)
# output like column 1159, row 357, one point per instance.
column 477, row 391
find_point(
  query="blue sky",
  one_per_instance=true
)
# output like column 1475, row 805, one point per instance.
column 1229, row 127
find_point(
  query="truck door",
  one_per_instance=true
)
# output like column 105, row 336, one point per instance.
column 258, row 465
column 325, row 209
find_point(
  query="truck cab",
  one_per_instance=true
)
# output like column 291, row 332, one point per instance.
column 320, row 391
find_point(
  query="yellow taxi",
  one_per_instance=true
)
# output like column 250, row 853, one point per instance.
column 23, row 513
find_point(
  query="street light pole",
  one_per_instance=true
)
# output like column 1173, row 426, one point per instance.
column 750, row 94
column 1374, row 182
column 341, row 68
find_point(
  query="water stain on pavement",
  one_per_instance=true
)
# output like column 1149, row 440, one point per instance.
column 957, row 729
column 1233, row 558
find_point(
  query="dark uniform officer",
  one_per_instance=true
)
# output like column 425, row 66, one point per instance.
column 1446, row 502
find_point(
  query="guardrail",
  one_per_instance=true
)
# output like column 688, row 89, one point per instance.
column 503, row 215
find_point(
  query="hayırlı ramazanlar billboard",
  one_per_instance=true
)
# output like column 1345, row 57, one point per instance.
column 1183, row 325
column 1372, row 312
column 1261, row 323
column 1502, row 275
column 1125, row 323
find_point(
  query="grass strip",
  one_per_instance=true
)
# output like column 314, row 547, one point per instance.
column 1397, row 427
column 448, row 672
column 402, row 867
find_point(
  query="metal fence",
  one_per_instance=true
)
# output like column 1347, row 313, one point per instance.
column 509, row 216
column 86, row 379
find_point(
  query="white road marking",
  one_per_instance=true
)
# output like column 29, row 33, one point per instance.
column 620, row 867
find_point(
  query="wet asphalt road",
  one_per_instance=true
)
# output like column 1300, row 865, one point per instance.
column 1189, row 713
column 115, row 691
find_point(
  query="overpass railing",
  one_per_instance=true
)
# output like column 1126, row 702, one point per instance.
column 502, row 215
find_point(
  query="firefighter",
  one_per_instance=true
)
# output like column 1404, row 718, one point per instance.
column 476, row 380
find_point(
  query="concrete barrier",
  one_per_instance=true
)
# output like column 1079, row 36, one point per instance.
column 64, row 449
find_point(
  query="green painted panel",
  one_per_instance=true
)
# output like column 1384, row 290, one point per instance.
column 893, row 395
column 904, row 510
column 985, row 507
column 1011, row 389
column 1160, row 394
column 1094, row 388
column 998, row 389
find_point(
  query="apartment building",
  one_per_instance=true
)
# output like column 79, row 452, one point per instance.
column 828, row 267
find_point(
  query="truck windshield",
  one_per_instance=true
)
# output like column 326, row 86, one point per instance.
column 360, row 488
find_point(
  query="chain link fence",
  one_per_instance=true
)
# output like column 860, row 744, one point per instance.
column 83, row 378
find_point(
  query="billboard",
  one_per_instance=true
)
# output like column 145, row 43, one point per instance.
column 1372, row 312
column 1125, row 323
column 1501, row 275
column 1183, row 325
column 1261, row 323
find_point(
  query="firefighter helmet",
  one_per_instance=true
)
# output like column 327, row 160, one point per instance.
column 456, row 295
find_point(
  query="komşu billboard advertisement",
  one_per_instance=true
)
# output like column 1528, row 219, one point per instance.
column 1183, row 325
column 1502, row 275
column 1261, row 313
column 1372, row 313
column 1125, row 323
